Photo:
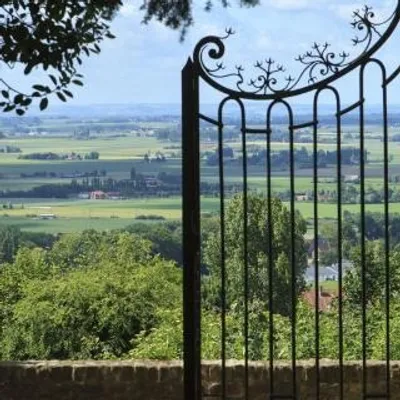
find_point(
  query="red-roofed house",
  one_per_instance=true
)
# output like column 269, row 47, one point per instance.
column 324, row 300
column 98, row 195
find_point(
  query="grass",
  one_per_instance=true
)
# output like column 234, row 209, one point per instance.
column 120, row 148
column 166, row 207
column 119, row 155
column 117, row 169
column 107, row 214
column 65, row 225
column 92, row 214
column 329, row 211
column 329, row 286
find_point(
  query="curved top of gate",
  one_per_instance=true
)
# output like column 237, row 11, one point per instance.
column 321, row 65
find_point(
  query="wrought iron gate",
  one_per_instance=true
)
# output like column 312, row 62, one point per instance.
column 322, row 71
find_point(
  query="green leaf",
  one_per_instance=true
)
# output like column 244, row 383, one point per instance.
column 44, row 103
column 40, row 88
column 20, row 111
column 18, row 98
column 28, row 69
column 5, row 94
column 61, row 96
column 26, row 102
column 68, row 93
column 76, row 82
column 9, row 107
column 53, row 79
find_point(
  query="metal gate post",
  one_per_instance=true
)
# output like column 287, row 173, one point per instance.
column 191, row 232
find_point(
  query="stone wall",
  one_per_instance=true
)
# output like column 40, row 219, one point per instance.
column 71, row 380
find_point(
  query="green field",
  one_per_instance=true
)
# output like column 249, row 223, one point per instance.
column 165, row 207
column 329, row 211
column 119, row 154
column 65, row 225
column 121, row 148
column 109, row 214
column 79, row 215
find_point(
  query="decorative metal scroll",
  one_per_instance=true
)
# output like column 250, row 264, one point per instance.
column 320, row 65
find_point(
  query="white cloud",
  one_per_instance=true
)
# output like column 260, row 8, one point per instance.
column 296, row 4
column 129, row 10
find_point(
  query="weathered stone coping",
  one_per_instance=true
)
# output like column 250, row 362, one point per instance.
column 162, row 380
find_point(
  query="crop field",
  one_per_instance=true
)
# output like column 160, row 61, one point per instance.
column 77, row 215
column 121, row 150
column 110, row 148
column 65, row 126
column 65, row 225
column 165, row 207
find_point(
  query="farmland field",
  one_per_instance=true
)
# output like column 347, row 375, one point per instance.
column 110, row 148
column 123, row 146
column 111, row 214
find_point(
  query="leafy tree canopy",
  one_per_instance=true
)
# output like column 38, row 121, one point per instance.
column 166, row 238
column 257, row 255
column 9, row 242
column 179, row 14
column 54, row 36
column 87, row 297
column 373, row 268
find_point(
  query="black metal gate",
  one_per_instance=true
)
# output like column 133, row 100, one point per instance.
column 322, row 72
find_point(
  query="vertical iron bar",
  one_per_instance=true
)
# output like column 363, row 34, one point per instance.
column 340, row 239
column 246, row 263
column 191, row 232
column 362, row 244
column 270, row 259
column 387, row 237
column 293, row 250
column 222, row 233
column 316, row 247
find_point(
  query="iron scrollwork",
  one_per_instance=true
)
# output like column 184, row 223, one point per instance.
column 318, row 64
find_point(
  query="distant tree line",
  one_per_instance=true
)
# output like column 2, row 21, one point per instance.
column 303, row 159
column 93, row 155
column 138, row 185
column 51, row 174
column 10, row 149
column 351, row 194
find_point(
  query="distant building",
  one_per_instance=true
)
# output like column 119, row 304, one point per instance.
column 84, row 196
column 98, row 195
column 73, row 156
column 47, row 216
column 303, row 197
column 351, row 179
column 152, row 182
column 325, row 298
column 329, row 273
column 324, row 274
column 114, row 195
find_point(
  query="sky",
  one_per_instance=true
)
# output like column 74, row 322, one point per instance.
column 143, row 64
